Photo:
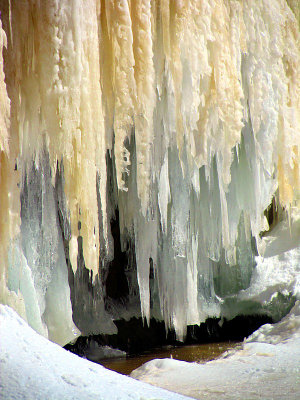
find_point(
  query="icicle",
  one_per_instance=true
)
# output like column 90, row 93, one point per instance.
column 183, row 115
column 4, row 100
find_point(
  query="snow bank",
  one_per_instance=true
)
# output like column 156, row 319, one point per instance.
column 288, row 329
column 266, row 367
column 34, row 368
column 275, row 281
column 279, row 269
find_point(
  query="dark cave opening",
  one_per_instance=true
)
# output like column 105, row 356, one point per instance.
column 135, row 337
column 116, row 283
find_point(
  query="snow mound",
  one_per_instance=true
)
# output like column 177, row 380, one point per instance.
column 285, row 330
column 266, row 367
column 279, row 268
column 34, row 368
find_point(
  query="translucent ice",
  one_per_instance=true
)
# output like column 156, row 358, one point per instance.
column 182, row 116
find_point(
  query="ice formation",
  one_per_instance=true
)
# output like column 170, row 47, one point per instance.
column 177, row 119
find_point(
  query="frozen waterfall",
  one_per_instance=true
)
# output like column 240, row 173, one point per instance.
column 141, row 143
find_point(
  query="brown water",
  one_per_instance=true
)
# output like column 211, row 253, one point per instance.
column 195, row 353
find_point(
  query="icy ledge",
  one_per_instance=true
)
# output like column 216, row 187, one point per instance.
column 275, row 281
column 266, row 367
column 34, row 368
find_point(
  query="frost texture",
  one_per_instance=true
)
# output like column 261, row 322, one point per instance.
column 184, row 116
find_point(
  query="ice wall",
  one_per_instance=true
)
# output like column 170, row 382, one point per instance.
column 181, row 115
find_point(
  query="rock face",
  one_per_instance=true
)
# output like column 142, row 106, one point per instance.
column 142, row 145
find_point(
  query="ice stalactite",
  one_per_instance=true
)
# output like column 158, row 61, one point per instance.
column 149, row 133
column 9, row 193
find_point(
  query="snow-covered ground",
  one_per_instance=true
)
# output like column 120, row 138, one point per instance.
column 266, row 367
column 33, row 368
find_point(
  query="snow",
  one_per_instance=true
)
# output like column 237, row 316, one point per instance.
column 267, row 366
column 34, row 368
column 277, row 272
